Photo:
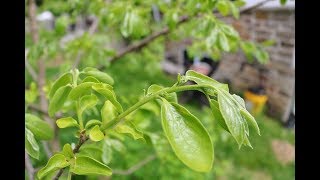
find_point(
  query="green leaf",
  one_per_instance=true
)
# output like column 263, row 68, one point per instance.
column 268, row 43
column 239, row 3
column 283, row 2
column 91, row 123
column 96, row 134
column 31, row 94
column 126, row 26
column 81, row 90
column 245, row 114
column 84, row 165
column 58, row 99
column 212, row 38
column 229, row 31
column 234, row 10
column 171, row 97
column 101, row 76
column 187, row 136
column 205, row 80
column 90, row 79
column 56, row 162
column 214, row 105
column 38, row 127
column 262, row 56
column 106, row 152
column 223, row 8
column 129, row 128
column 31, row 145
column 108, row 112
column 67, row 122
column 239, row 100
column 60, row 82
column 231, row 114
column 67, row 151
column 108, row 94
column 223, row 42
column 87, row 102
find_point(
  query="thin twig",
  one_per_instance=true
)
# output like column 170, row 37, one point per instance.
column 135, row 167
column 29, row 68
column 28, row 165
column 83, row 138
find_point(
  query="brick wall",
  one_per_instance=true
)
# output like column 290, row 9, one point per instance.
column 258, row 26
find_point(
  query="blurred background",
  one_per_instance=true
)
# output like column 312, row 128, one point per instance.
column 71, row 34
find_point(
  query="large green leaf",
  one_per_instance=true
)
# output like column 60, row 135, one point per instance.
column 108, row 112
column 187, row 136
column 67, row 122
column 81, row 90
column 109, row 95
column 90, row 79
column 38, row 127
column 231, row 114
column 61, row 81
column 56, row 162
column 234, row 10
column 87, row 102
column 31, row 145
column 128, row 127
column 205, row 80
column 58, row 99
column 101, row 76
column 84, row 165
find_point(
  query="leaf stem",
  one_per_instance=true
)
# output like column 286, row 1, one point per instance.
column 148, row 98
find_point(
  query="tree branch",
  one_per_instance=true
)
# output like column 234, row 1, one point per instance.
column 135, row 167
column 83, row 138
column 144, row 42
column 28, row 165
column 29, row 68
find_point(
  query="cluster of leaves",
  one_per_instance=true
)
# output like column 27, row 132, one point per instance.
column 91, row 91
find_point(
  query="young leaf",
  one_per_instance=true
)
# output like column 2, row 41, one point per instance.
column 245, row 114
column 96, row 134
column 56, row 162
column 262, row 56
column 38, row 127
column 108, row 112
column 31, row 145
column 205, row 80
column 90, row 79
column 67, row 122
column 188, row 138
column 234, row 10
column 223, row 8
column 229, row 31
column 58, row 99
column 84, row 165
column 129, row 128
column 101, row 76
column 81, row 90
column 87, row 102
column 92, row 123
column 223, row 42
column 214, row 105
column 232, row 116
column 61, row 81
column 67, row 151
column 212, row 38
column 108, row 94
column 239, row 100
